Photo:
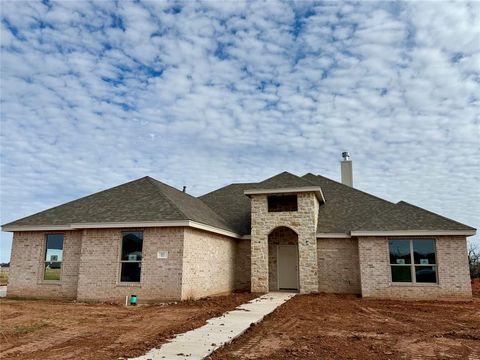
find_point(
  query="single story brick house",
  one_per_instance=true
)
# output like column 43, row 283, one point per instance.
column 306, row 234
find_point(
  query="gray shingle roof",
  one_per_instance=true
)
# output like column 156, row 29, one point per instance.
column 405, row 216
column 145, row 199
column 233, row 204
column 282, row 181
column 346, row 209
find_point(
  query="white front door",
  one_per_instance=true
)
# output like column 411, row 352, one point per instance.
column 287, row 262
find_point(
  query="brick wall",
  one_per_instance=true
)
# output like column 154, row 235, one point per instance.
column 453, row 274
column 242, row 266
column 338, row 266
column 99, row 277
column 208, row 264
column 27, row 266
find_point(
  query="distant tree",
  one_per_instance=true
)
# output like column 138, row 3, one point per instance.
column 474, row 260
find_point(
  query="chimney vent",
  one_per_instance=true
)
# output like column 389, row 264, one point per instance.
column 346, row 169
column 184, row 189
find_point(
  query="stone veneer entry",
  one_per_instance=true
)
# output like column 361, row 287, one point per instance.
column 303, row 222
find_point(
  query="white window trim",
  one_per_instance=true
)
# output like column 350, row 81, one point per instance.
column 413, row 265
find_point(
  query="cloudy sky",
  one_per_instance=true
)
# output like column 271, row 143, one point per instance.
column 207, row 93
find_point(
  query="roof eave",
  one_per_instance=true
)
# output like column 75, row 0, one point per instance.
column 315, row 189
column 113, row 225
column 466, row 232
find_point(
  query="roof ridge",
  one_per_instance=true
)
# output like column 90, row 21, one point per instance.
column 157, row 188
column 224, row 187
column 350, row 188
column 156, row 184
column 402, row 202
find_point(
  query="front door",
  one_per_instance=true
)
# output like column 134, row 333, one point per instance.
column 287, row 267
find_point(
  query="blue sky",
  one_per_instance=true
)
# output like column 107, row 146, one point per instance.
column 208, row 93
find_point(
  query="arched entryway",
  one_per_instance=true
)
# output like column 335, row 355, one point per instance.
column 283, row 260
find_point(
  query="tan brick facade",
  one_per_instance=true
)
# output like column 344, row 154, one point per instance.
column 161, row 279
column 201, row 263
column 243, row 266
column 208, row 264
column 198, row 264
column 27, row 266
column 453, row 274
column 303, row 222
column 338, row 266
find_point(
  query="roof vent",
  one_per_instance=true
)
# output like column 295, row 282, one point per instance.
column 184, row 189
column 346, row 155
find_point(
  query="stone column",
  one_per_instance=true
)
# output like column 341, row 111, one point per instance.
column 307, row 259
column 259, row 258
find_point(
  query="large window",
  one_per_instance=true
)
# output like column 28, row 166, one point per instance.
column 53, row 257
column 413, row 261
column 131, row 260
column 282, row 203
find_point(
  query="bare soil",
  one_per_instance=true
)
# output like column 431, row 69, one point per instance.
column 476, row 287
column 31, row 329
column 346, row 327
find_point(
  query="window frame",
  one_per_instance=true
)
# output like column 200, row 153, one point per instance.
column 121, row 261
column 412, row 265
column 44, row 258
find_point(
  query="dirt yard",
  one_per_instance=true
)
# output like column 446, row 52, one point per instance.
column 476, row 287
column 32, row 329
column 347, row 327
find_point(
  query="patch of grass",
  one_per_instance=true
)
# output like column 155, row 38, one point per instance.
column 26, row 329
column 3, row 278
column 51, row 274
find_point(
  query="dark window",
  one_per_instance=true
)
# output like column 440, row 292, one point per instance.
column 131, row 260
column 53, row 257
column 413, row 261
column 282, row 203
column 401, row 274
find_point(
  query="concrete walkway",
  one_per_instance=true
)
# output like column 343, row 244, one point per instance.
column 199, row 343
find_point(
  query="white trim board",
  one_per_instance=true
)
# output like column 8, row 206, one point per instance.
column 140, row 224
column 316, row 189
column 197, row 225
column 414, row 233
column 333, row 235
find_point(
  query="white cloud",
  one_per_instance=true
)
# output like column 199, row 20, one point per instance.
column 208, row 93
